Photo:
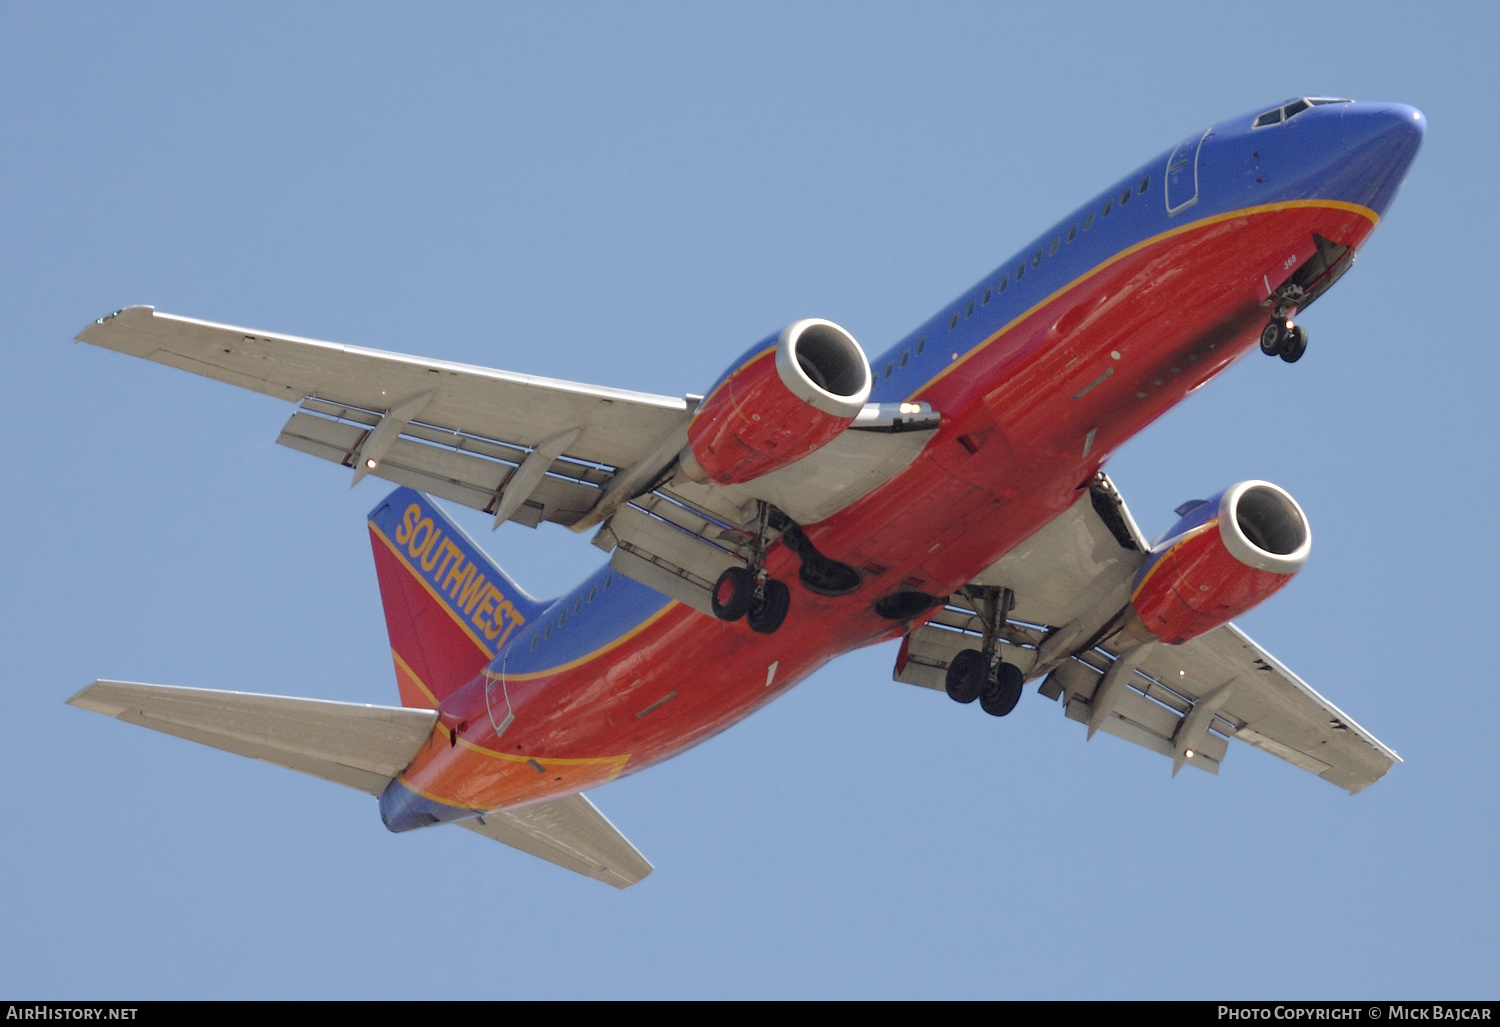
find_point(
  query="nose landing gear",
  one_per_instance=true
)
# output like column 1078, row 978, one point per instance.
column 1281, row 337
column 1284, row 339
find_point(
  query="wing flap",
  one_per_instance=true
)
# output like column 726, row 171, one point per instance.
column 1244, row 693
column 571, row 833
column 618, row 426
column 1070, row 582
column 1275, row 710
column 357, row 746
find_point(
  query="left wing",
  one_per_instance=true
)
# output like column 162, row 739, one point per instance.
column 515, row 446
column 1071, row 584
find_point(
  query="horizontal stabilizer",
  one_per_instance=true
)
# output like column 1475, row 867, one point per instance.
column 570, row 832
column 350, row 744
column 363, row 747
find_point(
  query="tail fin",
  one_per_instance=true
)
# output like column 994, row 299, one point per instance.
column 448, row 609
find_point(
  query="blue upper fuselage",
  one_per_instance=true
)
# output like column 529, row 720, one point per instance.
column 1303, row 150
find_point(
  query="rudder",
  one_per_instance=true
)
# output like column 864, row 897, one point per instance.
column 448, row 608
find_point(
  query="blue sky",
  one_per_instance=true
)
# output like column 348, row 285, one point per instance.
column 630, row 195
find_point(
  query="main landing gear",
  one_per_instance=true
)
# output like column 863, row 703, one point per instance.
column 980, row 673
column 759, row 598
column 750, row 592
column 1281, row 337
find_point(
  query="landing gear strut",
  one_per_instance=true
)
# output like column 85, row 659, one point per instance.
column 980, row 673
column 750, row 592
column 1281, row 337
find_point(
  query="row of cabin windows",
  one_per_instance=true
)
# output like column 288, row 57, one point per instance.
column 1036, row 257
column 562, row 617
column 890, row 365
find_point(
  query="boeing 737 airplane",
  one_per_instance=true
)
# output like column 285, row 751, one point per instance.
column 947, row 493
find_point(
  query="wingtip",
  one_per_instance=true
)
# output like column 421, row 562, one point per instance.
column 135, row 309
column 93, row 698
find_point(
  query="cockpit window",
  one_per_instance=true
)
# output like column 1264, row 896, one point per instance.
column 1292, row 108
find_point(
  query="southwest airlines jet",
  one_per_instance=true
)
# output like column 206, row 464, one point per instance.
column 947, row 492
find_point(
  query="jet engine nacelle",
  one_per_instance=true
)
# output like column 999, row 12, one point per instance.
column 1223, row 557
column 791, row 393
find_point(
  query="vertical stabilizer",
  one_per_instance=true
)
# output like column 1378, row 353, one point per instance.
column 448, row 609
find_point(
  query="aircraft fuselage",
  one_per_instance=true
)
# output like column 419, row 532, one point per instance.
column 1040, row 371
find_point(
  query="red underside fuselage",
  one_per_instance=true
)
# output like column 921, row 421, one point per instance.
column 1029, row 415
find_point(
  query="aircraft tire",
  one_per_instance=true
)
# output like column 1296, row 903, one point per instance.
column 1001, row 693
column 766, row 616
column 965, row 677
column 1270, row 339
column 1294, row 345
column 733, row 593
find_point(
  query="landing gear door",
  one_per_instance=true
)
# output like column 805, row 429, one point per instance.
column 1182, row 173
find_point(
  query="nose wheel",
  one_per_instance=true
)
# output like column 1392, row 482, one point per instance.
column 1281, row 338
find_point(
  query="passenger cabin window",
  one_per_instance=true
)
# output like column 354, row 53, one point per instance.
column 1036, row 259
column 984, row 300
column 953, row 322
column 1020, row 270
column 1125, row 196
column 609, row 579
column 890, row 365
column 1056, row 242
column 1145, row 182
column 967, row 313
column 1003, row 283
column 1088, row 221
column 1109, row 205
column 1072, row 232
column 921, row 344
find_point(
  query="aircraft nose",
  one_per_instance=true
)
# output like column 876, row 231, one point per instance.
column 1378, row 143
column 1385, row 132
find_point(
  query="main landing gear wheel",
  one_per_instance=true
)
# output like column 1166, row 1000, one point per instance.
column 965, row 677
column 769, row 610
column 1002, row 690
column 733, row 593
